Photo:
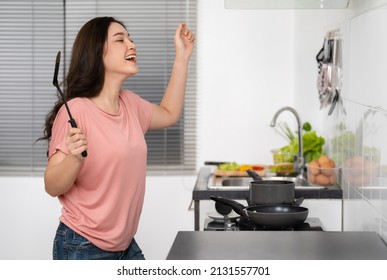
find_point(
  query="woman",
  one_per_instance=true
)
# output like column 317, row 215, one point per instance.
column 102, row 194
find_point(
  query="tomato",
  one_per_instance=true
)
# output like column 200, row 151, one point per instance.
column 258, row 167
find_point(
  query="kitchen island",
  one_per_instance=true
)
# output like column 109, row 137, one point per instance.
column 202, row 192
column 277, row 245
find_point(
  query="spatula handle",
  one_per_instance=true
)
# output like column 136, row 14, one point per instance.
column 74, row 125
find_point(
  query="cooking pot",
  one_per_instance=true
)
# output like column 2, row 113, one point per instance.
column 271, row 191
column 269, row 215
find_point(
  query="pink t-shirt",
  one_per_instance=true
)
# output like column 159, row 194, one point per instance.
column 105, row 202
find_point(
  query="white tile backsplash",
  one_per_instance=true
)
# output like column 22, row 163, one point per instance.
column 383, row 231
column 359, row 146
column 383, row 195
column 357, row 137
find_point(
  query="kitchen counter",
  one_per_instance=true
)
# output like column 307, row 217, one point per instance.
column 201, row 192
column 277, row 245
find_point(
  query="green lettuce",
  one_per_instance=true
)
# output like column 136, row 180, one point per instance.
column 312, row 145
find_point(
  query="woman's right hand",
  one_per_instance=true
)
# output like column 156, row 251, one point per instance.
column 63, row 169
column 76, row 142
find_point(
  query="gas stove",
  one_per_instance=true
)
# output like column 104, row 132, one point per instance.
column 243, row 224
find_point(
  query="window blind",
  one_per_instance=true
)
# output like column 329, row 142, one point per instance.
column 30, row 34
column 152, row 25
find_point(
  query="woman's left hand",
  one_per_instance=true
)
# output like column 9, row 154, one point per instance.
column 184, row 41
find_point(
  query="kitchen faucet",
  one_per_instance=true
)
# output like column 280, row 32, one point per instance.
column 299, row 164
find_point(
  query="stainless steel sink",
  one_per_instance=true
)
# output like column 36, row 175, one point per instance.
column 243, row 183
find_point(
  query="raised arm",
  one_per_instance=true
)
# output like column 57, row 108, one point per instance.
column 171, row 106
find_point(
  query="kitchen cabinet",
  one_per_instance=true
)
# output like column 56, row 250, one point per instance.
column 324, row 203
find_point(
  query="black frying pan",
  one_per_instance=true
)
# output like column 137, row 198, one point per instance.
column 270, row 215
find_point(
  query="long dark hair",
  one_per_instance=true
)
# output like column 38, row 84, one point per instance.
column 85, row 77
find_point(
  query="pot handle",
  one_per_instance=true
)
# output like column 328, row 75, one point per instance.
column 236, row 206
column 254, row 175
column 298, row 201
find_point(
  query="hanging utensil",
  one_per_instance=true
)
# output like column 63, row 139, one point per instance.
column 337, row 78
column 334, row 101
column 329, row 79
column 56, row 84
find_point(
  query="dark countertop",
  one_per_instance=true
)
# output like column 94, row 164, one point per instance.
column 277, row 245
column 201, row 191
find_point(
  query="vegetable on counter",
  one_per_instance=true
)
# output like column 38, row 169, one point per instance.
column 284, row 168
column 233, row 166
column 228, row 166
column 235, row 169
column 312, row 144
column 344, row 146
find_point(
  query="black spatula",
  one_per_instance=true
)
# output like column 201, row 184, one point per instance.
column 56, row 84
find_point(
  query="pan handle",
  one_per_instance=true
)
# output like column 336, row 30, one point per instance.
column 236, row 206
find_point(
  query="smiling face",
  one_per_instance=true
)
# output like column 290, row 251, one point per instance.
column 119, row 53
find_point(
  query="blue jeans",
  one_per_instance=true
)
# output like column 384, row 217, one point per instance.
column 69, row 245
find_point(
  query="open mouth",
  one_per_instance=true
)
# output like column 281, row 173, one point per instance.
column 131, row 58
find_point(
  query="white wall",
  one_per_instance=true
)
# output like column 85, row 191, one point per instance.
column 165, row 213
column 245, row 73
column 250, row 64
column 29, row 216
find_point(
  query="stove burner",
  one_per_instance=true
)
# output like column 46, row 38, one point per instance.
column 243, row 224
